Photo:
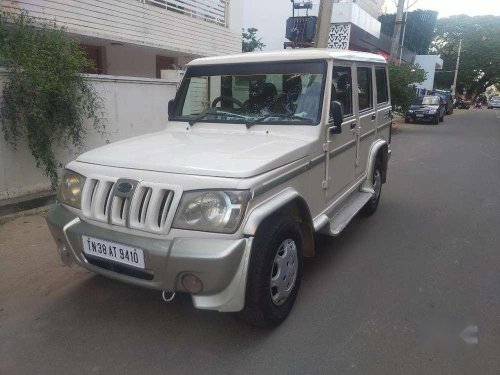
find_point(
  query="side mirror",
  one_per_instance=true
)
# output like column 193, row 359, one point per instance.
column 171, row 107
column 336, row 117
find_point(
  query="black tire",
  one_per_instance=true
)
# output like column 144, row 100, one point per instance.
column 407, row 120
column 436, row 120
column 441, row 119
column 372, row 205
column 260, row 309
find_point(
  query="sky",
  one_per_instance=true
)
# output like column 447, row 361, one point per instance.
column 269, row 16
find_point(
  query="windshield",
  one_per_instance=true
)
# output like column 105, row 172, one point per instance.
column 271, row 93
column 430, row 100
column 442, row 95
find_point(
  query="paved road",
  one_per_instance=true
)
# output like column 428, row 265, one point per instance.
column 390, row 296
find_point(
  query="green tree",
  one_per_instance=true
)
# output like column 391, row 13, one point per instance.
column 419, row 29
column 402, row 79
column 250, row 42
column 480, row 57
column 45, row 99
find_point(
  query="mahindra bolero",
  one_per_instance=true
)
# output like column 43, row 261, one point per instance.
column 260, row 152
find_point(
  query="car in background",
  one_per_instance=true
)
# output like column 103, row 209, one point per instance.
column 462, row 103
column 447, row 98
column 494, row 102
column 430, row 108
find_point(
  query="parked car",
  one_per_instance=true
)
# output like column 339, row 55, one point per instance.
column 430, row 108
column 494, row 102
column 462, row 103
column 447, row 98
column 261, row 151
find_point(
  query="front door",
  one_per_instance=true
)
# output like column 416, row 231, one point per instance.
column 367, row 117
column 342, row 147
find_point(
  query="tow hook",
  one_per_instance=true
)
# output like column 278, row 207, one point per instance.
column 168, row 296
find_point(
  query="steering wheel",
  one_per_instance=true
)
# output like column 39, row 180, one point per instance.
column 230, row 98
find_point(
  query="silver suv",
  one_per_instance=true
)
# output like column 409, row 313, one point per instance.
column 260, row 152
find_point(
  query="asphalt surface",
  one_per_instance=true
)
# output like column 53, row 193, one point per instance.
column 391, row 295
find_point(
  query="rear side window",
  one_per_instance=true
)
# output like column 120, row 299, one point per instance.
column 381, row 79
column 342, row 88
column 365, row 95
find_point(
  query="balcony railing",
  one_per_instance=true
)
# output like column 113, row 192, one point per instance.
column 213, row 11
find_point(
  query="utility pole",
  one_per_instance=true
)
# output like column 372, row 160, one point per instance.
column 454, row 88
column 403, row 37
column 397, row 31
column 324, row 21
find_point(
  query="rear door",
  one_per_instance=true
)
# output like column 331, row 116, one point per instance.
column 366, row 114
column 383, row 103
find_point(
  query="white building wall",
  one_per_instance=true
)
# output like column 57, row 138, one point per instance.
column 348, row 12
column 429, row 63
column 134, row 106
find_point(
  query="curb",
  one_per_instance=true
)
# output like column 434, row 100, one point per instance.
column 32, row 212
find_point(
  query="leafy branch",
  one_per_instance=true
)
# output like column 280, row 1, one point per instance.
column 45, row 100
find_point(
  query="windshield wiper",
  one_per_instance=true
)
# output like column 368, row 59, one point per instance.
column 214, row 111
column 205, row 113
column 263, row 118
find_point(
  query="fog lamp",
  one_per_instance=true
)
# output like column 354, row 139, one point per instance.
column 192, row 283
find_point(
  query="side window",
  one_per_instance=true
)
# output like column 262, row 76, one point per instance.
column 197, row 96
column 381, row 79
column 365, row 96
column 342, row 88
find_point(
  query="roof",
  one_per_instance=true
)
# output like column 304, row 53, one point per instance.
column 291, row 55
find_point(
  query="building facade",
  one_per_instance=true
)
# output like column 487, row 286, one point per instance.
column 355, row 26
column 143, row 37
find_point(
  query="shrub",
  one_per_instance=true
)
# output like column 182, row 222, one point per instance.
column 45, row 98
column 402, row 79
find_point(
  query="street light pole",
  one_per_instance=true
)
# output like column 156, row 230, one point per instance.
column 324, row 21
column 454, row 88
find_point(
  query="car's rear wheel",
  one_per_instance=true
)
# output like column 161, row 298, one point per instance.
column 274, row 273
column 372, row 205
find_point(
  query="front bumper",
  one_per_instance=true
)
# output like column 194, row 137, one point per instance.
column 220, row 264
column 426, row 117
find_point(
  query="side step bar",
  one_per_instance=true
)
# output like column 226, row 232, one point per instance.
column 346, row 213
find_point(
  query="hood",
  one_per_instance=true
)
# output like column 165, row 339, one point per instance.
column 236, row 154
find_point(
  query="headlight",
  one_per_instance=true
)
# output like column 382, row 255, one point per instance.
column 432, row 111
column 211, row 211
column 70, row 190
column 410, row 111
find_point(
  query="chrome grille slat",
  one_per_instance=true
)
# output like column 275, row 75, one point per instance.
column 164, row 207
column 150, row 207
column 144, row 205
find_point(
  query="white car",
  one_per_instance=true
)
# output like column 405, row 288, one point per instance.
column 494, row 102
column 260, row 151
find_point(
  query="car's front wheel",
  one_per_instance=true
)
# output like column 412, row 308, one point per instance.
column 274, row 273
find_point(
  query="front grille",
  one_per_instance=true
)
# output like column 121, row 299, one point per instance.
column 148, row 207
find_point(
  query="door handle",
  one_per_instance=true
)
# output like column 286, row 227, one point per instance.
column 374, row 116
column 353, row 125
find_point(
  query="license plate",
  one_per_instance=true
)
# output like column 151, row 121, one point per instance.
column 128, row 255
column 419, row 115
